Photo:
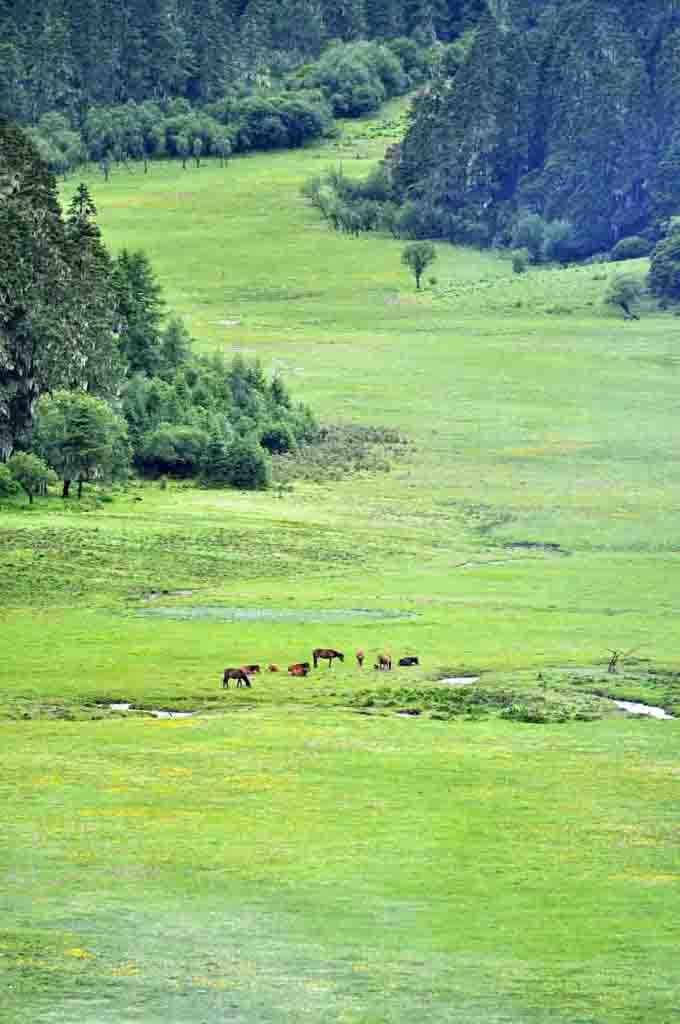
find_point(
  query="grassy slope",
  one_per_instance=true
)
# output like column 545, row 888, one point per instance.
column 295, row 861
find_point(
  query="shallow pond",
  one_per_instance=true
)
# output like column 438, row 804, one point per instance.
column 223, row 613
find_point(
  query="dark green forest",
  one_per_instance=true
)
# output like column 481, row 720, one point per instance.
column 567, row 111
column 69, row 55
column 95, row 373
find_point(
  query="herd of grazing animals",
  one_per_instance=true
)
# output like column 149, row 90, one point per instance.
column 242, row 674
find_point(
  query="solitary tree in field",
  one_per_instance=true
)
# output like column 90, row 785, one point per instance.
column 623, row 290
column 417, row 256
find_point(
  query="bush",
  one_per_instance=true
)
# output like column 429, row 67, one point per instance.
column 520, row 261
column 247, row 466
column 174, row 449
column 277, row 440
column 8, row 485
column 664, row 271
column 529, row 233
column 630, row 248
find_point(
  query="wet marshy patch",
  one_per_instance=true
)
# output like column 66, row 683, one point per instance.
column 226, row 613
column 547, row 546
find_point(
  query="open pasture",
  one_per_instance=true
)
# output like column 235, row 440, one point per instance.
column 299, row 851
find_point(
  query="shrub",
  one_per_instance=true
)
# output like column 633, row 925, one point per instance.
column 247, row 466
column 631, row 248
column 277, row 440
column 529, row 233
column 8, row 485
column 174, row 449
column 664, row 271
column 520, row 261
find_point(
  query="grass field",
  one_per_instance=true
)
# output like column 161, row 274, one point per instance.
column 300, row 851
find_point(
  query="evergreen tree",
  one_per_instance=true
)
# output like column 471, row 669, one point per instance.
column 344, row 19
column 139, row 312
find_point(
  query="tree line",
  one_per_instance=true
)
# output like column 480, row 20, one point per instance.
column 566, row 111
column 95, row 376
column 66, row 56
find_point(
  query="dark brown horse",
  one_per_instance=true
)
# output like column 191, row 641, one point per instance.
column 251, row 669
column 301, row 668
column 410, row 659
column 238, row 674
column 326, row 654
column 384, row 663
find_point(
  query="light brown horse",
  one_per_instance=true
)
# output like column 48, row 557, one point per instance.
column 384, row 663
column 235, row 673
column 326, row 654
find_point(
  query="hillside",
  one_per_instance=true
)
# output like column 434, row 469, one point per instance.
column 568, row 110
column 355, row 846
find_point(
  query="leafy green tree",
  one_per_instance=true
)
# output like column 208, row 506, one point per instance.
column 81, row 438
column 529, row 233
column 664, row 270
column 624, row 290
column 31, row 473
column 417, row 256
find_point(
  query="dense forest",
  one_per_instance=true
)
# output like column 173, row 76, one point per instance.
column 94, row 373
column 69, row 55
column 567, row 111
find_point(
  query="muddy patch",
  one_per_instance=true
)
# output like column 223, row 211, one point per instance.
column 633, row 708
column 223, row 613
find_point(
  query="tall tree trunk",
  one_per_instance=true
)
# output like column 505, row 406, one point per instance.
column 66, row 488
column 80, row 489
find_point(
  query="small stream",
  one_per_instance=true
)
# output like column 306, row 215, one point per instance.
column 150, row 711
column 642, row 709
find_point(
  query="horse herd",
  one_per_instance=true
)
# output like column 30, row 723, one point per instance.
column 241, row 675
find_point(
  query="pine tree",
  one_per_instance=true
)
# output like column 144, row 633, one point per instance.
column 139, row 311
column 344, row 19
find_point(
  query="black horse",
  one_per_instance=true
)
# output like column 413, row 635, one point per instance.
column 326, row 654
column 235, row 673
column 411, row 660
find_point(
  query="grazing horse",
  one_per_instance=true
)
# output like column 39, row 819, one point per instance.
column 301, row 668
column 411, row 660
column 238, row 674
column 326, row 654
column 384, row 663
column 360, row 659
column 251, row 669
column 272, row 668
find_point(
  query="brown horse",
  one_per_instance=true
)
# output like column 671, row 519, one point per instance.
column 238, row 674
column 326, row 654
column 384, row 663
column 301, row 668
column 360, row 658
column 251, row 669
column 272, row 668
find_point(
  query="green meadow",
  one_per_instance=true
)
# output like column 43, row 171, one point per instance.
column 356, row 847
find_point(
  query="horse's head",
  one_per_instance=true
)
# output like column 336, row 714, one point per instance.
column 341, row 656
